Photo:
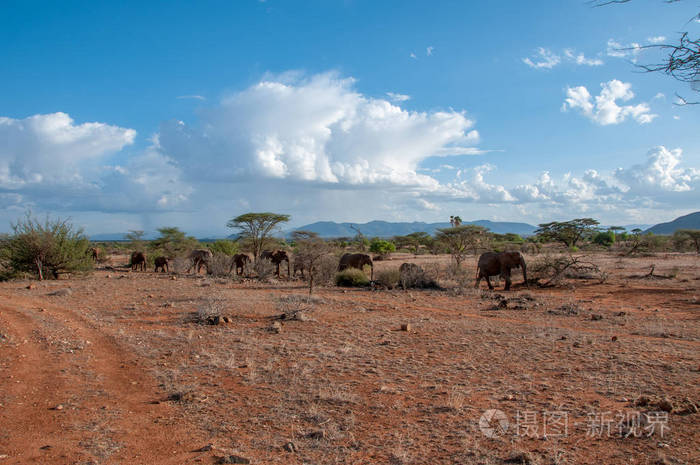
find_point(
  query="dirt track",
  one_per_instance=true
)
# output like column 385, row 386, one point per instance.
column 86, row 377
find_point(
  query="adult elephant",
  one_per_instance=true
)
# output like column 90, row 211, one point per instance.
column 499, row 263
column 276, row 257
column 239, row 261
column 356, row 260
column 200, row 258
column 138, row 259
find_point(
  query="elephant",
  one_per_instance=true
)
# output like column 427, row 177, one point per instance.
column 356, row 260
column 94, row 252
column 162, row 263
column 138, row 259
column 499, row 263
column 276, row 257
column 239, row 261
column 200, row 258
column 300, row 266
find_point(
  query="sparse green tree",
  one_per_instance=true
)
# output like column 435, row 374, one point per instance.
column 257, row 227
column 54, row 246
column 173, row 242
column 310, row 251
column 689, row 235
column 135, row 237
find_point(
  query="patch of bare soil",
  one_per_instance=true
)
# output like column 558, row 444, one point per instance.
column 139, row 367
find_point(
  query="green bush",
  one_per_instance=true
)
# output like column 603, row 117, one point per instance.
column 224, row 246
column 604, row 238
column 381, row 246
column 45, row 249
column 351, row 277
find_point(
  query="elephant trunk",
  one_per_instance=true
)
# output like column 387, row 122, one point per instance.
column 522, row 264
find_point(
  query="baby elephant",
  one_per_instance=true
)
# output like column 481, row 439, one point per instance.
column 138, row 259
column 162, row 263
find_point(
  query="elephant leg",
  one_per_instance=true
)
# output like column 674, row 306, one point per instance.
column 506, row 275
column 478, row 280
column 488, row 281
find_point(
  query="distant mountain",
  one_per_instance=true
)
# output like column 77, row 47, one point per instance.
column 106, row 237
column 388, row 229
column 691, row 221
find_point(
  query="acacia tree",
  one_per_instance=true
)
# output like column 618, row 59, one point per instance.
column 135, row 236
column 690, row 235
column 461, row 239
column 256, row 228
column 568, row 233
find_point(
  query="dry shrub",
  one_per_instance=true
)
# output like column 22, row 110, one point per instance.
column 179, row 265
column 413, row 276
column 219, row 265
column 462, row 278
column 210, row 309
column 264, row 269
column 551, row 270
column 388, row 278
column 325, row 269
column 294, row 305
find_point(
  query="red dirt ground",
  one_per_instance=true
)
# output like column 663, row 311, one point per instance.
column 120, row 370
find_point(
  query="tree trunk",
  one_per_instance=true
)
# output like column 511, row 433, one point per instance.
column 38, row 268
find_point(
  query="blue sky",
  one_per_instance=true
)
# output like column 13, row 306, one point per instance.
column 135, row 115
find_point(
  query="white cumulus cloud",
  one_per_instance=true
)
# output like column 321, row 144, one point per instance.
column 604, row 109
column 316, row 129
column 51, row 148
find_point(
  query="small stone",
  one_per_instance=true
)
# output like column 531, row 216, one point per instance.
column 290, row 447
column 406, row 327
column 61, row 292
column 31, row 286
column 613, row 339
column 276, row 327
column 233, row 459
column 206, row 448
column 108, row 276
column 58, row 407
column 503, row 304
column 596, row 317
column 665, row 405
column 577, row 344
column 320, row 434
column 226, row 319
column 173, row 278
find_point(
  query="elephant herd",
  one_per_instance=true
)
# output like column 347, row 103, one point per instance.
column 489, row 264
column 201, row 258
